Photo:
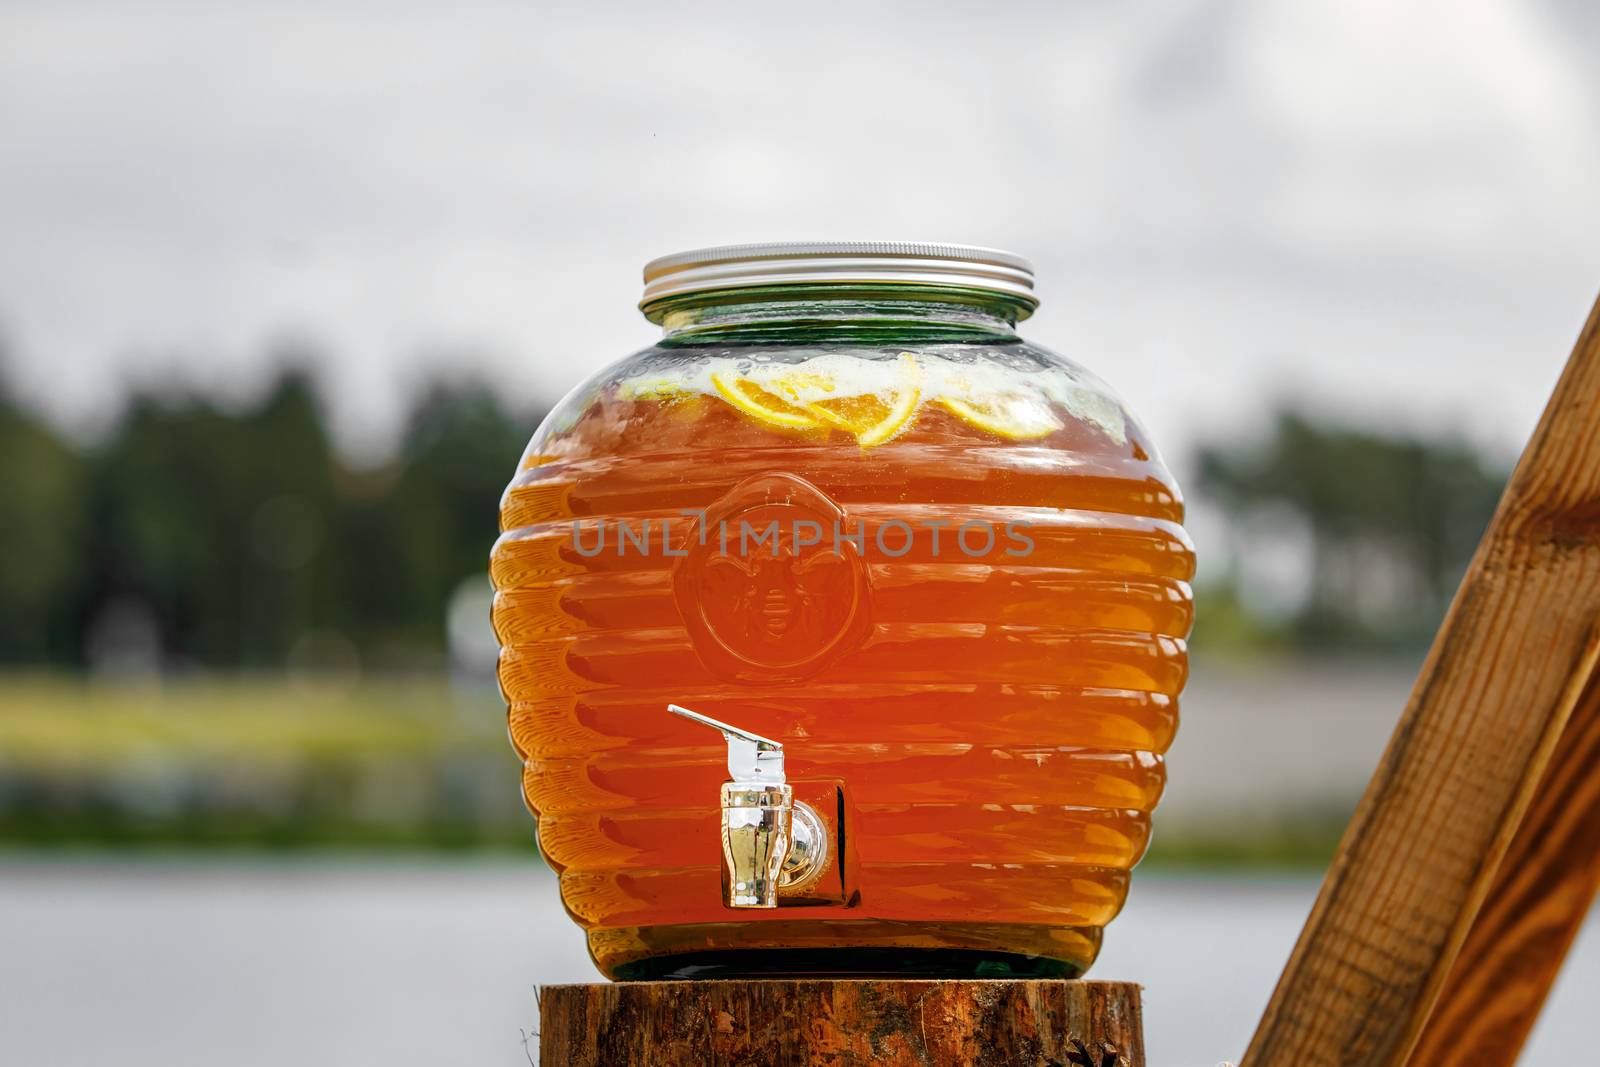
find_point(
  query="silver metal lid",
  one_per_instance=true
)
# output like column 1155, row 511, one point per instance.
column 840, row 263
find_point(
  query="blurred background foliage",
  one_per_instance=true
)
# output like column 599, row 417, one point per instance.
column 216, row 630
column 1341, row 539
column 197, row 536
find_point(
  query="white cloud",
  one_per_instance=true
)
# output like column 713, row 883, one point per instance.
column 1386, row 209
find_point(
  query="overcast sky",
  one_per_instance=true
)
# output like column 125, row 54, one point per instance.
column 1388, row 210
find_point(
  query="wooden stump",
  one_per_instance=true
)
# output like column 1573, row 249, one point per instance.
column 842, row 1023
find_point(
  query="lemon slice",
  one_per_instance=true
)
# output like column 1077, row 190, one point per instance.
column 759, row 404
column 795, row 385
column 1018, row 418
column 872, row 418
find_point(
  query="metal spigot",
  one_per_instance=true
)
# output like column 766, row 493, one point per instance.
column 769, row 840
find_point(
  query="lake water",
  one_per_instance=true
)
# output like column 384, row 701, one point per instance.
column 132, row 963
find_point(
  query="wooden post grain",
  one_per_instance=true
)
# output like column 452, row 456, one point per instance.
column 1539, row 899
column 830, row 1023
column 1502, row 691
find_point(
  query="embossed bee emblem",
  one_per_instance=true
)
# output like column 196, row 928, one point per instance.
column 768, row 592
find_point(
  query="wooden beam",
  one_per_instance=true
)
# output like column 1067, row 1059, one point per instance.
column 1539, row 899
column 1503, row 677
column 993, row 1023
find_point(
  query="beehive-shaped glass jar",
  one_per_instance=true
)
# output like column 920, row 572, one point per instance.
column 843, row 506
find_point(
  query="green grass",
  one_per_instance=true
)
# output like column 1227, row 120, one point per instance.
column 256, row 763
column 241, row 762
column 1302, row 842
column 72, row 723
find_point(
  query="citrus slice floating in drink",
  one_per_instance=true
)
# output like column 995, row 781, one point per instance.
column 872, row 417
column 760, row 404
column 1014, row 417
column 799, row 384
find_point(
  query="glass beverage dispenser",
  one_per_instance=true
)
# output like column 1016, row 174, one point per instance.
column 842, row 629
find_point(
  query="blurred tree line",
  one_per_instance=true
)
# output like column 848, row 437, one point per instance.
column 197, row 534
column 213, row 536
column 1342, row 539
column 200, row 535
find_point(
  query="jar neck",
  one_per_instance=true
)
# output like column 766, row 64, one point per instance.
column 800, row 314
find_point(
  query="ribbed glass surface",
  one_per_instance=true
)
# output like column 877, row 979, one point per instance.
column 997, row 717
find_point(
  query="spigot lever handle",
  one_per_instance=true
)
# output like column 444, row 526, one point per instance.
column 752, row 759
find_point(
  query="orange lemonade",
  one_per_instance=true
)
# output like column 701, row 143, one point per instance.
column 944, row 567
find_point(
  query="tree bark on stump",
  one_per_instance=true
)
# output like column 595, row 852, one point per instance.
column 830, row 1023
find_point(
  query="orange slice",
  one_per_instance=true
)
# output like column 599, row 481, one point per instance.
column 759, row 404
column 1015, row 417
column 872, row 418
